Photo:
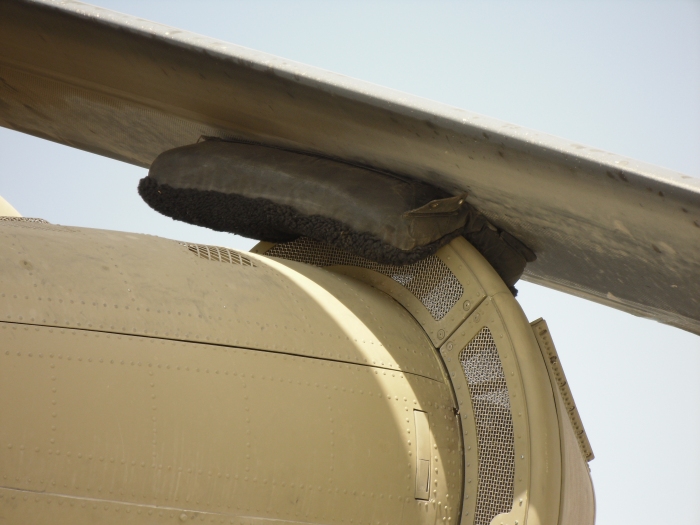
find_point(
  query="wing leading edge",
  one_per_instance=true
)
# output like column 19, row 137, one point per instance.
column 604, row 227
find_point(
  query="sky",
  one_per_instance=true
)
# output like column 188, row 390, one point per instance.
column 622, row 76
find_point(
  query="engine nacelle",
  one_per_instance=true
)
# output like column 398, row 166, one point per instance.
column 144, row 380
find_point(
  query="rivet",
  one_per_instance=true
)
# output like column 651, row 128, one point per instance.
column 467, row 305
column 441, row 334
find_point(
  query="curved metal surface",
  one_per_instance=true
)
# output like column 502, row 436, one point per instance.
column 604, row 227
column 145, row 382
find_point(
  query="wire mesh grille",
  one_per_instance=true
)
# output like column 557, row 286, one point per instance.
column 23, row 219
column 215, row 253
column 494, row 427
column 33, row 223
column 429, row 280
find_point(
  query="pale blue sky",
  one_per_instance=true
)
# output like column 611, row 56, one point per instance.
column 623, row 76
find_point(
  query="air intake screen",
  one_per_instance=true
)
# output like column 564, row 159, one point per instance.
column 494, row 427
column 430, row 280
column 33, row 223
column 23, row 219
column 215, row 253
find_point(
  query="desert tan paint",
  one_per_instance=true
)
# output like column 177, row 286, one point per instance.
column 536, row 434
column 7, row 210
column 140, row 382
column 577, row 494
column 544, row 490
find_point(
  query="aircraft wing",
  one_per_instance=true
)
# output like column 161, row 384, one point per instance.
column 604, row 227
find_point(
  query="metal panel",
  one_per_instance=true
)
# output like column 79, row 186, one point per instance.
column 492, row 472
column 117, row 428
column 429, row 280
column 422, row 455
column 578, row 505
column 440, row 283
column 506, row 408
column 139, row 378
column 556, row 372
column 144, row 285
column 604, row 227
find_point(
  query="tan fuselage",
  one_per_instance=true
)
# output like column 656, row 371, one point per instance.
column 141, row 381
column 144, row 380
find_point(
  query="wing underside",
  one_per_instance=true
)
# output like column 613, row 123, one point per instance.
column 604, row 227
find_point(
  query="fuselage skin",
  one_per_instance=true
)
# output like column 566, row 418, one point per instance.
column 146, row 380
column 142, row 383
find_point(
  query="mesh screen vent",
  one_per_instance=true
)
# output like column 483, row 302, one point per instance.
column 23, row 219
column 494, row 427
column 215, row 253
column 33, row 223
column 429, row 280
